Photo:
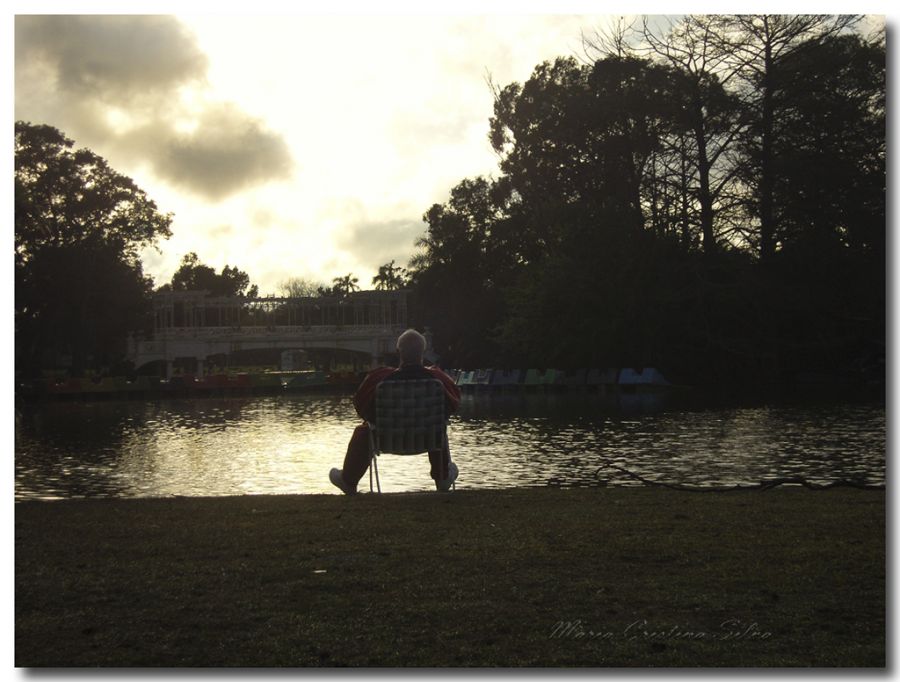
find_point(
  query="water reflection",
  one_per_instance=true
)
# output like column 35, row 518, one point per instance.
column 286, row 444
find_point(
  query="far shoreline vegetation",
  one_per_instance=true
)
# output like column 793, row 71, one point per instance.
column 708, row 201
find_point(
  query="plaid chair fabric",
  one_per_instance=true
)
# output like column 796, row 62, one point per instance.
column 409, row 419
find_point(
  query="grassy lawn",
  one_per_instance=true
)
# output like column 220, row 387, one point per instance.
column 629, row 577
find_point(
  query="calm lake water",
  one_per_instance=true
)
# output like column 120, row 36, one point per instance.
column 287, row 444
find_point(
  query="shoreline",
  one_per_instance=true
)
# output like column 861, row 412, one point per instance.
column 550, row 577
column 261, row 385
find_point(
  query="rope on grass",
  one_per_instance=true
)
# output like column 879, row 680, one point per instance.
column 762, row 485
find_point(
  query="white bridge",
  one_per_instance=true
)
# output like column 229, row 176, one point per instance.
column 194, row 325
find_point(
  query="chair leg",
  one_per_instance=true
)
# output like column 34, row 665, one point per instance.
column 373, row 466
column 447, row 447
column 373, row 462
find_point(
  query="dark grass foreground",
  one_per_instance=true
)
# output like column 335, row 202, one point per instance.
column 541, row 577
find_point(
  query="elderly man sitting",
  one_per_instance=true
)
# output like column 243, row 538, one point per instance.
column 411, row 349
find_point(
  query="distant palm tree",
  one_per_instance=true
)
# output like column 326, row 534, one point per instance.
column 346, row 285
column 389, row 278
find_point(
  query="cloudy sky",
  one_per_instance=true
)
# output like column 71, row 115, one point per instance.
column 302, row 145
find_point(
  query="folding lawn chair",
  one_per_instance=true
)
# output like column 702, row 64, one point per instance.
column 409, row 419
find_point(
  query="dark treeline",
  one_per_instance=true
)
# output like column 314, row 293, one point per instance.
column 709, row 200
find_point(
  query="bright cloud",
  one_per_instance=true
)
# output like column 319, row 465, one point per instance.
column 118, row 83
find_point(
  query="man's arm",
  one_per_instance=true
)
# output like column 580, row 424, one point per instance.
column 364, row 399
column 451, row 390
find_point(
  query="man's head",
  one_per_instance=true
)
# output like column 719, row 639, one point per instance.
column 411, row 347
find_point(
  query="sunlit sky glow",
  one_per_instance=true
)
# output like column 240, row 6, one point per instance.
column 302, row 145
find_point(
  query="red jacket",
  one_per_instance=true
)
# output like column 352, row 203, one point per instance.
column 364, row 400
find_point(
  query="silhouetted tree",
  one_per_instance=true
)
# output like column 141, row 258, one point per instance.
column 754, row 46
column 389, row 277
column 705, row 166
column 459, row 270
column 829, row 202
column 346, row 285
column 192, row 275
column 584, row 134
column 79, row 229
column 77, row 304
column 830, row 160
column 300, row 287
column 63, row 196
column 577, row 143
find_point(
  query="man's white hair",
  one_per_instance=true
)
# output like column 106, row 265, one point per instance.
column 411, row 346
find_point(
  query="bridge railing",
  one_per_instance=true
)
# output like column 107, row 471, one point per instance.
column 158, row 344
column 279, row 330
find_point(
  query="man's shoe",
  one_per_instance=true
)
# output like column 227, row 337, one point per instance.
column 448, row 482
column 336, row 476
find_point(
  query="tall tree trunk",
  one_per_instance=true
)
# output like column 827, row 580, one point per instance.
column 685, row 197
column 766, row 180
column 703, row 168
